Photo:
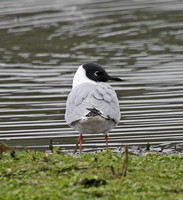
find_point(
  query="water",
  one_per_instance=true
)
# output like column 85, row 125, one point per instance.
column 43, row 42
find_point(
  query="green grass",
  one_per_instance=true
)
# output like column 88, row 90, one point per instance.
column 32, row 175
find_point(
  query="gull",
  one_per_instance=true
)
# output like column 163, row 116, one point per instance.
column 92, row 106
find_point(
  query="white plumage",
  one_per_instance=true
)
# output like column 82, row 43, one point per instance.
column 92, row 105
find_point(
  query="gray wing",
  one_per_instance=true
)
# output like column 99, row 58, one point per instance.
column 77, row 102
column 88, row 95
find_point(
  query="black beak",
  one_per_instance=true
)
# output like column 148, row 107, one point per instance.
column 114, row 78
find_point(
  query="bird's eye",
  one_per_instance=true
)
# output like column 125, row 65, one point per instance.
column 96, row 73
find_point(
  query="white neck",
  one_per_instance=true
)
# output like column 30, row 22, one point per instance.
column 80, row 77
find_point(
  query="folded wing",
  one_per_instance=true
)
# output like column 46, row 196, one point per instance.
column 100, row 96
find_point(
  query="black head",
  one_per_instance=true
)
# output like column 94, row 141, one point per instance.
column 97, row 73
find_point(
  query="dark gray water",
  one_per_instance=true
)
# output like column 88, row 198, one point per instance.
column 43, row 42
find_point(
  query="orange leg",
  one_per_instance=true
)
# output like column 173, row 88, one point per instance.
column 106, row 139
column 81, row 139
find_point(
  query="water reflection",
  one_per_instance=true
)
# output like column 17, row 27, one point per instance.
column 43, row 43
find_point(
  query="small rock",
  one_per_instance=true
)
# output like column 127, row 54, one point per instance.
column 9, row 171
column 83, row 164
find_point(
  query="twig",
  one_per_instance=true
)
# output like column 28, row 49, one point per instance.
column 77, row 143
column 113, row 170
column 125, row 163
column 51, row 145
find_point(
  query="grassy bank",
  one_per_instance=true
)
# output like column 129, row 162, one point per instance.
column 35, row 175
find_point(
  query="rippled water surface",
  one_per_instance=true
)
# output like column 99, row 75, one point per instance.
column 43, row 42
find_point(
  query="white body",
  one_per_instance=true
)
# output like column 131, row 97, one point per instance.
column 87, row 94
